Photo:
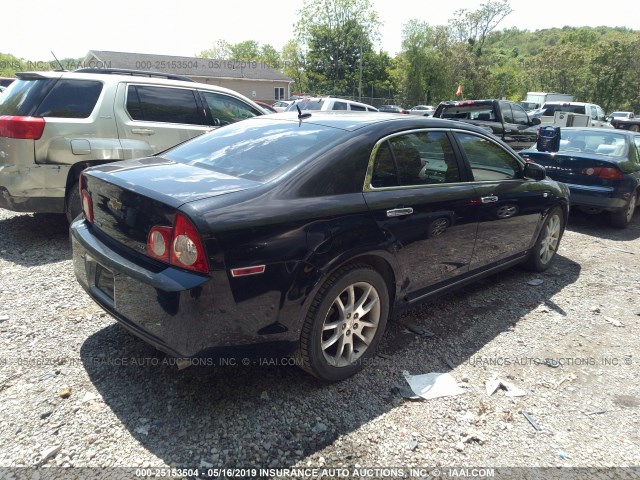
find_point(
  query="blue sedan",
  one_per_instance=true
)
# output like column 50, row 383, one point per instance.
column 600, row 167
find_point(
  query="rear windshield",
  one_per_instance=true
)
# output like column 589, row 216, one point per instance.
column 49, row 97
column 308, row 105
column 550, row 110
column 255, row 149
column 469, row 112
column 24, row 96
column 596, row 141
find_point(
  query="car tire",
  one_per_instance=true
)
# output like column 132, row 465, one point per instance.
column 621, row 218
column 548, row 241
column 72, row 204
column 634, row 128
column 345, row 323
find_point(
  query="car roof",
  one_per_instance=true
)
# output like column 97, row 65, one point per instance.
column 351, row 121
column 140, row 78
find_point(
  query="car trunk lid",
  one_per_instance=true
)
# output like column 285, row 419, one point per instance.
column 128, row 198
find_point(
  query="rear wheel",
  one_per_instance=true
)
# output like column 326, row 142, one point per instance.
column 73, row 206
column 634, row 128
column 345, row 323
column 621, row 218
column 548, row 241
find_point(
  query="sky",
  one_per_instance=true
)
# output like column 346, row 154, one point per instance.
column 70, row 28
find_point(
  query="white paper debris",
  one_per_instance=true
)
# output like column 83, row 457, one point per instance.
column 433, row 385
column 88, row 396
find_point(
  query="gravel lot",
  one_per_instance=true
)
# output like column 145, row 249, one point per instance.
column 78, row 390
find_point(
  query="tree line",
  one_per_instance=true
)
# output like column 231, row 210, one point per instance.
column 333, row 52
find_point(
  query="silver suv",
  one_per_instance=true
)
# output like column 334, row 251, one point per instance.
column 53, row 125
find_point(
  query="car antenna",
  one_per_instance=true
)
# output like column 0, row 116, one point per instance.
column 302, row 116
column 62, row 69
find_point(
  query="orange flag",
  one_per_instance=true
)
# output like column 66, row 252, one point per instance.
column 459, row 91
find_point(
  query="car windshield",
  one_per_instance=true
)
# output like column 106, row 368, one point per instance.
column 619, row 114
column 255, row 150
column 603, row 143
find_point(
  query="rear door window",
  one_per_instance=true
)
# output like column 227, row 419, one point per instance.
column 422, row 158
column 339, row 106
column 163, row 104
column 70, row 99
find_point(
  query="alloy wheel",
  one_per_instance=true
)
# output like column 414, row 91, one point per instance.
column 350, row 324
column 551, row 238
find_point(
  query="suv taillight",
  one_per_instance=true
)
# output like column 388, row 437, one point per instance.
column 179, row 245
column 25, row 128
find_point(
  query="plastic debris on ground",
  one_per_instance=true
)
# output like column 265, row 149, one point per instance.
column 433, row 385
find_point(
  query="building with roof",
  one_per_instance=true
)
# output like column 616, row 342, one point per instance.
column 255, row 80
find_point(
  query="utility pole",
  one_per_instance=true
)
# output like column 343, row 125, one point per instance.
column 360, row 80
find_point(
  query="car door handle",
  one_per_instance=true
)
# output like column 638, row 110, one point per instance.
column 489, row 199
column 143, row 131
column 399, row 212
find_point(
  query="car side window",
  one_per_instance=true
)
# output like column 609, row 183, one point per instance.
column 488, row 160
column 163, row 104
column 520, row 117
column 339, row 106
column 507, row 115
column 225, row 109
column 422, row 158
column 357, row 108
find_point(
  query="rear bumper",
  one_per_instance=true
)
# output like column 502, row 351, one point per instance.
column 180, row 313
column 33, row 188
column 606, row 198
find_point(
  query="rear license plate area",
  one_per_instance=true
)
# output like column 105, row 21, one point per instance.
column 104, row 281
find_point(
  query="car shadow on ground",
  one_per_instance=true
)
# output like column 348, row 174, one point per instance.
column 236, row 415
column 35, row 239
column 597, row 225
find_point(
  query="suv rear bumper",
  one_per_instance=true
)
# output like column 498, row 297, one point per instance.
column 33, row 188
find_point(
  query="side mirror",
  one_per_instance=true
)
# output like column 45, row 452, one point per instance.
column 534, row 171
column 535, row 121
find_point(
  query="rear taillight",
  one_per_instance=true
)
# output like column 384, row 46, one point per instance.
column 25, row 128
column 605, row 173
column 85, row 198
column 179, row 245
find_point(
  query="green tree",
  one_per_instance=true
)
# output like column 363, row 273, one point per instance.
column 247, row 50
column 293, row 65
column 336, row 36
column 221, row 50
column 474, row 27
column 270, row 56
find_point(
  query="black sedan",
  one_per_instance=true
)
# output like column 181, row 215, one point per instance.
column 601, row 168
column 304, row 233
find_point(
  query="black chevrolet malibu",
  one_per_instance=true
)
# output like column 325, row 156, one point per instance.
column 305, row 233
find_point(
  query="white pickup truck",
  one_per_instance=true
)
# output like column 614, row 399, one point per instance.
column 568, row 114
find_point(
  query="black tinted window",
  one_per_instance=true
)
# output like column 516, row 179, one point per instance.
column 488, row 160
column 358, row 108
column 70, row 99
column 163, row 104
column 24, row 97
column 339, row 106
column 422, row 158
